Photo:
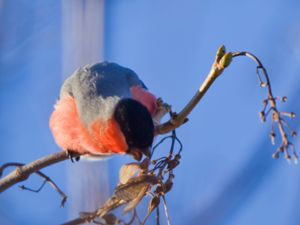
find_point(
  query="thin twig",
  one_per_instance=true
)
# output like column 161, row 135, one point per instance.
column 134, row 215
column 46, row 180
column 23, row 187
column 166, row 210
column 276, row 114
column 157, row 216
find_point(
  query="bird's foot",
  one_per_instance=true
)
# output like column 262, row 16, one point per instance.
column 162, row 109
column 73, row 155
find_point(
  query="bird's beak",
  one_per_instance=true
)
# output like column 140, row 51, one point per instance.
column 147, row 152
column 137, row 154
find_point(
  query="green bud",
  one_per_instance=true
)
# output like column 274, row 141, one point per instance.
column 221, row 52
column 226, row 60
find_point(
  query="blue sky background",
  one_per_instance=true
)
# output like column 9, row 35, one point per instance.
column 226, row 175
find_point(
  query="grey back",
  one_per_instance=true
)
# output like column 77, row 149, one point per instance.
column 97, row 89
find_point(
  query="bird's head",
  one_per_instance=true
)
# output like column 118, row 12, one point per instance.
column 136, row 125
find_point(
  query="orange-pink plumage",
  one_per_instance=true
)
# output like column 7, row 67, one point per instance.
column 70, row 134
column 104, row 109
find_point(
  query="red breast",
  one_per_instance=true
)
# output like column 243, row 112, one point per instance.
column 100, row 138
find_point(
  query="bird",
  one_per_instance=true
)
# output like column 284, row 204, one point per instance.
column 104, row 109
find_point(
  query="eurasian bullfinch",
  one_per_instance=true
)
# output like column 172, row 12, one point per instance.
column 103, row 110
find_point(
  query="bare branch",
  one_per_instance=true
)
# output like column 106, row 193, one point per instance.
column 24, row 171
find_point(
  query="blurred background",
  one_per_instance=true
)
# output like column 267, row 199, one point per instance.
column 226, row 175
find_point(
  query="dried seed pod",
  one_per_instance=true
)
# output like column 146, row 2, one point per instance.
column 110, row 219
column 272, row 136
column 275, row 155
column 128, row 171
column 172, row 164
column 287, row 157
column 177, row 157
column 262, row 116
column 129, row 191
column 284, row 99
column 153, row 162
column 263, row 84
column 154, row 203
column 133, row 204
column 168, row 185
column 145, row 164
column 160, row 190
column 265, row 102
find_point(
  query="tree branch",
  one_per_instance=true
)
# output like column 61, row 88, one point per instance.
column 23, row 172
column 222, row 60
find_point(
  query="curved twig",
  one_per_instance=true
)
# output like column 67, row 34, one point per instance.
column 277, row 116
column 46, row 180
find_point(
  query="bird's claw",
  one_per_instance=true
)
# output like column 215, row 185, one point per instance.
column 72, row 155
column 161, row 105
column 162, row 109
